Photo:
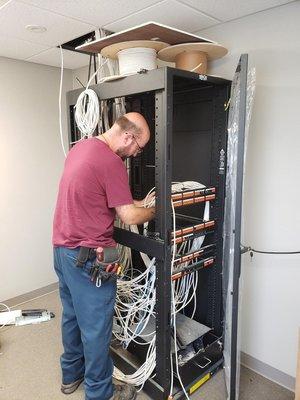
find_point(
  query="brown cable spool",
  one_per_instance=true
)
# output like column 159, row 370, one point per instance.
column 195, row 61
column 192, row 56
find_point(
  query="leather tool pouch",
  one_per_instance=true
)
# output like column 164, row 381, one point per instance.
column 99, row 274
column 85, row 254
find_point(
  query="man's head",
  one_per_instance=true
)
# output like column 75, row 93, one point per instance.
column 129, row 135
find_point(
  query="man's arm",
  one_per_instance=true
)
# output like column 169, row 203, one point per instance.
column 133, row 215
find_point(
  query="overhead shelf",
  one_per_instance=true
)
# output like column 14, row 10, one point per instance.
column 146, row 31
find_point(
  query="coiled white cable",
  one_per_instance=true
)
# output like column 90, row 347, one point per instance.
column 87, row 109
column 87, row 112
column 8, row 318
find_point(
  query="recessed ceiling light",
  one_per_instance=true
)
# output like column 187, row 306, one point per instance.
column 36, row 28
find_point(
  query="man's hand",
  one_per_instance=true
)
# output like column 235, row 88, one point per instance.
column 148, row 200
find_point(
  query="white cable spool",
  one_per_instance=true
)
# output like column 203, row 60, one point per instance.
column 134, row 59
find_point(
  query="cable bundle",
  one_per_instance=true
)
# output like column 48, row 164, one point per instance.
column 87, row 112
column 136, row 298
column 135, row 303
column 87, row 108
column 139, row 377
column 186, row 185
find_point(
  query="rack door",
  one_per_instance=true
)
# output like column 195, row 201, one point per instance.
column 232, row 225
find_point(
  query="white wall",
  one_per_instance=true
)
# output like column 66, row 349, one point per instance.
column 31, row 162
column 271, row 301
column 82, row 75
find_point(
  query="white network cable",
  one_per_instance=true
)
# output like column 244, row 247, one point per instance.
column 87, row 112
column 87, row 109
column 7, row 309
column 134, row 307
column 136, row 298
column 174, row 311
column 59, row 100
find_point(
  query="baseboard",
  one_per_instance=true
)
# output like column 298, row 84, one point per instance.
column 268, row 372
column 23, row 298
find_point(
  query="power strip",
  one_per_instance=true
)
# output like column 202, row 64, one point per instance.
column 36, row 319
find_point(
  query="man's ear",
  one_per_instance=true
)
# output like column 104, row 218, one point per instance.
column 127, row 138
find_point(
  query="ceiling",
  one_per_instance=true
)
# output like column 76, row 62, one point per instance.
column 68, row 19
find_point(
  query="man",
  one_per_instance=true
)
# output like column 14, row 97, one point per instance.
column 94, row 186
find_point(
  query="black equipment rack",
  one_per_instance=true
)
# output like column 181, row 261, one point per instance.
column 188, row 113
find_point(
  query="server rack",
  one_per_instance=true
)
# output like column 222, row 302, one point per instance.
column 188, row 113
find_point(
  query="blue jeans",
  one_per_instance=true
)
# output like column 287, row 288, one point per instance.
column 86, row 325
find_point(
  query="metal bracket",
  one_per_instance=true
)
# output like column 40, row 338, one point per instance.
column 245, row 249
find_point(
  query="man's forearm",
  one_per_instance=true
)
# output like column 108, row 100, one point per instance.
column 130, row 214
column 142, row 215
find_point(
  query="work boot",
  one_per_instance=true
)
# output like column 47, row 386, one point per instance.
column 71, row 387
column 124, row 392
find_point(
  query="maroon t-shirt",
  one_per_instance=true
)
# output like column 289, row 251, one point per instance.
column 94, row 181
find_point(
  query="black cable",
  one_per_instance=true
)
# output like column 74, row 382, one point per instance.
column 95, row 69
column 78, row 80
column 274, row 252
column 90, row 66
column 251, row 250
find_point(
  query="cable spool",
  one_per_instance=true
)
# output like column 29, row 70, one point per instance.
column 195, row 61
column 192, row 56
column 134, row 55
column 133, row 60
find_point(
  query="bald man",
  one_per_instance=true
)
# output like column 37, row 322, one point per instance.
column 93, row 188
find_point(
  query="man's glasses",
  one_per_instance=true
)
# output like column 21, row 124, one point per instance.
column 140, row 149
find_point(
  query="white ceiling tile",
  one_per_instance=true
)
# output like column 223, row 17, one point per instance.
column 95, row 12
column 19, row 49
column 72, row 60
column 226, row 10
column 15, row 16
column 168, row 12
column 3, row 2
